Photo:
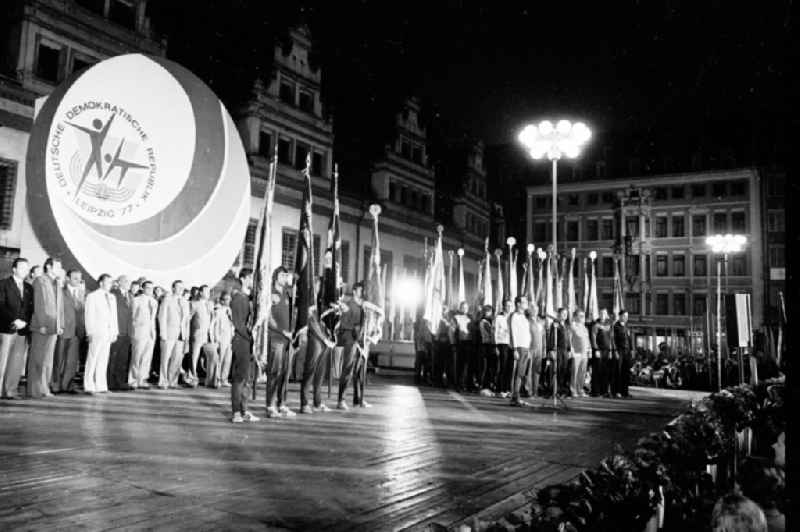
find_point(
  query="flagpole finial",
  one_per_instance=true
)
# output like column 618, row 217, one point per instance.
column 593, row 255
column 573, row 252
column 375, row 210
column 440, row 229
column 511, row 241
column 531, row 248
column 450, row 253
column 550, row 249
column 541, row 254
column 486, row 244
column 460, row 252
column 498, row 253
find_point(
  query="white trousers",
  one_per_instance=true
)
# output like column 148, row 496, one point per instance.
column 578, row 375
column 94, row 374
column 12, row 362
column 141, row 359
column 171, row 359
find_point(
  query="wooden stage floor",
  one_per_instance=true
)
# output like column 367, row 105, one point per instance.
column 172, row 460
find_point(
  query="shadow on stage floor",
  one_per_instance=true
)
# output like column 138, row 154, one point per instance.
column 170, row 459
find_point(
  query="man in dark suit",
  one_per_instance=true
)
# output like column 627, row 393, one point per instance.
column 46, row 324
column 16, row 309
column 69, row 342
column 602, row 363
column 241, row 315
column 623, row 348
column 119, row 359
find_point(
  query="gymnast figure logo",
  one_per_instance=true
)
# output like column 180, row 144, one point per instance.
column 97, row 135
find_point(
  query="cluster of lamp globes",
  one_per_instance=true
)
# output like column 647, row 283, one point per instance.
column 562, row 139
column 541, row 254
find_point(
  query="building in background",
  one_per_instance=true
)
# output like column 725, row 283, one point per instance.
column 773, row 211
column 657, row 226
column 44, row 42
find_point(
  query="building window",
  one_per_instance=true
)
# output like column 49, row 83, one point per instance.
column 739, row 265
column 306, row 102
column 8, row 188
column 426, row 203
column 678, row 265
column 572, row 199
column 393, row 192
column 592, row 198
column 81, row 62
column 700, row 265
column 606, row 301
column 286, row 92
column 300, row 153
column 718, row 189
column 738, row 188
column 540, row 231
column 678, row 229
column 288, row 248
column 600, row 168
column 284, row 151
column 738, row 224
column 48, row 62
column 607, row 269
column 661, row 193
column 264, row 144
column 592, row 230
column 661, row 227
column 96, row 6
column 776, row 185
column 608, row 197
column 345, row 260
column 777, row 257
column 678, row 192
column 661, row 266
column 316, row 163
column 632, row 222
column 123, row 12
column 405, row 149
column 416, row 154
column 572, row 230
column 699, row 190
column 699, row 225
column 250, row 244
column 699, row 304
column 541, row 202
column 679, row 304
column 633, row 303
column 662, row 304
column 776, row 221
column 607, row 230
column 720, row 222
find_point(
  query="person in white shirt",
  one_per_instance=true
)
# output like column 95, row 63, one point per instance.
column 101, row 330
column 221, row 333
column 501, row 341
column 144, row 312
column 581, row 351
column 520, row 330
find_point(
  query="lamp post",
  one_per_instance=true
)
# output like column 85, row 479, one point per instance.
column 722, row 245
column 565, row 138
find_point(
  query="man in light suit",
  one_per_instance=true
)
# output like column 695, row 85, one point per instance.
column 144, row 311
column 173, row 326
column 16, row 308
column 46, row 324
column 101, row 329
column 121, row 349
column 69, row 342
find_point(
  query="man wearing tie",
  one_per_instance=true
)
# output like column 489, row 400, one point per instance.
column 69, row 342
column 46, row 324
column 16, row 308
column 173, row 326
column 143, row 328
column 623, row 353
column 101, row 329
column 121, row 348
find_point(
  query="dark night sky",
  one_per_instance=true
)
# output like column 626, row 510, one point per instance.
column 663, row 73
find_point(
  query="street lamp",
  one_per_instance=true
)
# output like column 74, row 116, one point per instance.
column 722, row 245
column 565, row 138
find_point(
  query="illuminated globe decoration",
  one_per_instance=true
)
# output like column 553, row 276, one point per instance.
column 135, row 167
column 564, row 139
column 727, row 243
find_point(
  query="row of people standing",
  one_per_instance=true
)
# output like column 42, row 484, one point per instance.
column 517, row 353
column 50, row 323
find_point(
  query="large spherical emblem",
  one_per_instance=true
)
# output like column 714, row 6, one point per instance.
column 135, row 167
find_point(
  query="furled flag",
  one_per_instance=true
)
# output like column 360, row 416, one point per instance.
column 395, row 314
column 498, row 253
column 585, row 287
column 560, row 282
column 305, row 295
column 512, row 268
column 487, row 275
column 781, row 325
column 541, row 255
column 531, row 291
column 375, row 298
column 479, row 287
column 462, row 290
column 434, row 297
column 451, row 290
column 618, row 305
column 331, row 276
column 262, row 276
column 593, row 312
column 571, row 304
column 549, row 311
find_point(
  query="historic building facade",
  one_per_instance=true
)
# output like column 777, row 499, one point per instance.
column 45, row 41
column 657, row 226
